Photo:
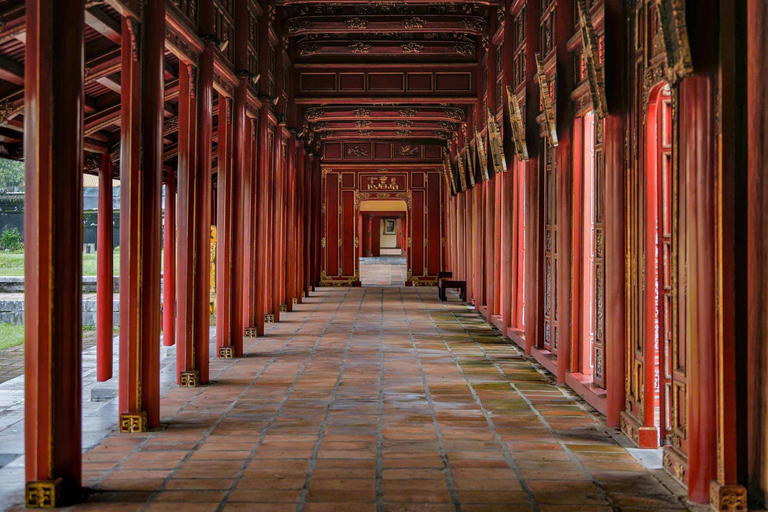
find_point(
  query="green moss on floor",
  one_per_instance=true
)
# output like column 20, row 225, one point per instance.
column 11, row 335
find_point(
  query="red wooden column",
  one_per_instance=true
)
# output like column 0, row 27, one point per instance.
column 698, row 154
column 614, row 217
column 187, row 203
column 169, row 263
column 241, row 193
column 299, row 221
column 277, row 257
column 757, row 236
column 53, row 150
column 316, row 228
column 307, row 222
column 509, row 211
column 251, row 204
column 291, row 241
column 141, row 187
column 105, row 273
column 201, row 334
column 224, row 219
column 262, row 219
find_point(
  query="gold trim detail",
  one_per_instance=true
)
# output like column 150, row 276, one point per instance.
column 594, row 68
column 295, row 300
column 518, row 127
column 269, row 319
column 43, row 493
column 191, row 378
column 496, row 144
column 250, row 332
column 283, row 308
column 727, row 497
column 546, row 100
column 133, row 423
column 674, row 31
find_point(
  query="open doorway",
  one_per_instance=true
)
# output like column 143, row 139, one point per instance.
column 382, row 249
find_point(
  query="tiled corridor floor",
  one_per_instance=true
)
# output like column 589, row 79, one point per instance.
column 383, row 271
column 374, row 399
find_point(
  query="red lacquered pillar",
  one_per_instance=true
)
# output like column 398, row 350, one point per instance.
column 614, row 216
column 316, row 228
column 203, row 215
column 507, row 221
column 299, row 220
column 240, row 212
column 187, row 202
column 169, row 263
column 308, row 214
column 698, row 164
column 277, row 260
column 290, row 240
column 142, row 159
column 53, row 150
column 105, row 272
column 224, row 194
column 261, row 220
column 249, row 258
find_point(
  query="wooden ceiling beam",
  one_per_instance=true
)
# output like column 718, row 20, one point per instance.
column 99, row 21
column 393, row 113
column 389, row 134
column 387, row 24
column 11, row 71
column 387, row 48
column 384, row 124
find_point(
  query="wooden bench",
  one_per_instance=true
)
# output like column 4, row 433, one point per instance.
column 445, row 284
column 444, row 275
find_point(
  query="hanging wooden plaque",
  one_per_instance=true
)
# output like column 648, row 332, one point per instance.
column 462, row 172
column 448, row 174
column 496, row 145
column 518, row 127
column 546, row 101
column 595, row 75
column 482, row 156
column 674, row 31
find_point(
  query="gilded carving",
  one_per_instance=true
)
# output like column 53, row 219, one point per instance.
column 465, row 49
column 360, row 47
column 677, row 51
column 407, row 112
column 517, row 125
column 191, row 379
column 363, row 123
column 403, row 123
column 308, row 49
column 411, row 47
column 414, row 22
column 546, row 100
column 361, row 112
column 454, row 113
column 482, row 155
column 592, row 61
column 132, row 423
column 496, row 145
column 42, row 493
column 314, row 113
column 474, row 23
column 296, row 24
column 356, row 23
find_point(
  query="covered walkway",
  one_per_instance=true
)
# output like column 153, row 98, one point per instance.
column 375, row 399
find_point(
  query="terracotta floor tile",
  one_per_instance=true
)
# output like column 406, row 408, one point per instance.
column 370, row 399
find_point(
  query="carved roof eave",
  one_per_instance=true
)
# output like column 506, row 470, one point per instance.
column 181, row 38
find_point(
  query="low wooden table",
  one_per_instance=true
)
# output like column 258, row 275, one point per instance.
column 444, row 284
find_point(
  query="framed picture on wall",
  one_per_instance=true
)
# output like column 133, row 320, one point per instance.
column 389, row 227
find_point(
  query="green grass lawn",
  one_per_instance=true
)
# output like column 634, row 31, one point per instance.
column 11, row 335
column 12, row 264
